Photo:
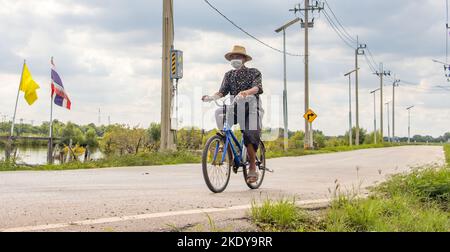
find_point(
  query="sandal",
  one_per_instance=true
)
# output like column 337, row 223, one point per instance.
column 252, row 177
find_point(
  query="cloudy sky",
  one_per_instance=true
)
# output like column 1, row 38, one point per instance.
column 109, row 56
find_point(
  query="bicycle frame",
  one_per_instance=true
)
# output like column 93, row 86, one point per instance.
column 230, row 138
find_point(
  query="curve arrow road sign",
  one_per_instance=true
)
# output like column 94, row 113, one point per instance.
column 310, row 115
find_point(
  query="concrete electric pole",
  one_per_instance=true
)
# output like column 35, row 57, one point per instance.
column 381, row 74
column 285, row 103
column 167, row 134
column 306, row 24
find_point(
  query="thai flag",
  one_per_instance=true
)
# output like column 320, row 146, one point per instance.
column 59, row 95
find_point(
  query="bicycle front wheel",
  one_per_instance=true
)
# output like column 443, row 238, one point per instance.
column 215, row 172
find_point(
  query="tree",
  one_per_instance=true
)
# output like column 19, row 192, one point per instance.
column 122, row 140
column 335, row 142
column 71, row 132
column 319, row 139
column 362, row 136
column 91, row 138
column 447, row 137
column 154, row 132
column 370, row 138
column 190, row 139
column 296, row 141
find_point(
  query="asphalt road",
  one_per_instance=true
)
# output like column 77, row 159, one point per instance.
column 165, row 198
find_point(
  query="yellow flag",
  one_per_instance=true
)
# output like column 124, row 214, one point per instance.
column 28, row 86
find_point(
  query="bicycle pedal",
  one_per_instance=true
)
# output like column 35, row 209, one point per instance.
column 269, row 170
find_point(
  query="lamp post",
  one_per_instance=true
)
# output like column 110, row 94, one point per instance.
column 409, row 123
column 374, row 92
column 350, row 133
column 285, row 103
column 389, row 121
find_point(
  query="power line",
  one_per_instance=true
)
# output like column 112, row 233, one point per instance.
column 348, row 38
column 340, row 24
column 371, row 57
column 410, row 83
column 338, row 32
column 424, row 90
column 247, row 33
column 369, row 63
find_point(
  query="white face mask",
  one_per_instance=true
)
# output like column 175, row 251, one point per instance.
column 236, row 63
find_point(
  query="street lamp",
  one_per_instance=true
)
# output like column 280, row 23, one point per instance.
column 350, row 134
column 285, row 103
column 409, row 123
column 374, row 92
column 389, row 123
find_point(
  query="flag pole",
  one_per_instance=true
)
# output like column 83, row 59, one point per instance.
column 17, row 101
column 50, row 140
column 8, row 149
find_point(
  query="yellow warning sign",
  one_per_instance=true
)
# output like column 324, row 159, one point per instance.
column 310, row 116
column 174, row 63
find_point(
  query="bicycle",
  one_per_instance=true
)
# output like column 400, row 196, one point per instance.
column 224, row 152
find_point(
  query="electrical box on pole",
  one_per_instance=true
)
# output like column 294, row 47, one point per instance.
column 176, row 73
column 177, row 65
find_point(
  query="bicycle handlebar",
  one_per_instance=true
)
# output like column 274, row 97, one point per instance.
column 233, row 102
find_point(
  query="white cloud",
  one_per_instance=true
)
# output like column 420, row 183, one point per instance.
column 109, row 57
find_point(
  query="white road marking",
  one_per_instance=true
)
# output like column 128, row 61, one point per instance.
column 145, row 217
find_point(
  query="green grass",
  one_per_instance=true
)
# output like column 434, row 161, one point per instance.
column 413, row 202
column 447, row 153
column 397, row 213
column 418, row 201
column 179, row 157
column 277, row 153
column 282, row 215
column 429, row 185
column 142, row 159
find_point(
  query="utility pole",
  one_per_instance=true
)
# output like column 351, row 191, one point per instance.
column 359, row 51
column 167, row 92
column 350, row 132
column 394, row 85
column 285, row 103
column 389, row 124
column 306, row 24
column 374, row 92
column 409, row 123
column 381, row 74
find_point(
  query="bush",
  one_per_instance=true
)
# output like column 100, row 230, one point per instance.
column 278, row 216
column 396, row 214
column 122, row 140
column 429, row 185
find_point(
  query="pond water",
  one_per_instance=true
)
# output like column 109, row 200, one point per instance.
column 38, row 155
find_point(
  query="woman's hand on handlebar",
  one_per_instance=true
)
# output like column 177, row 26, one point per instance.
column 207, row 98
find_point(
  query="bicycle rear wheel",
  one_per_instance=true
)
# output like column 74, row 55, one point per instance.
column 215, row 172
column 260, row 167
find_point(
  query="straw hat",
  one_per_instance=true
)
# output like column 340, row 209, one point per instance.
column 238, row 50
